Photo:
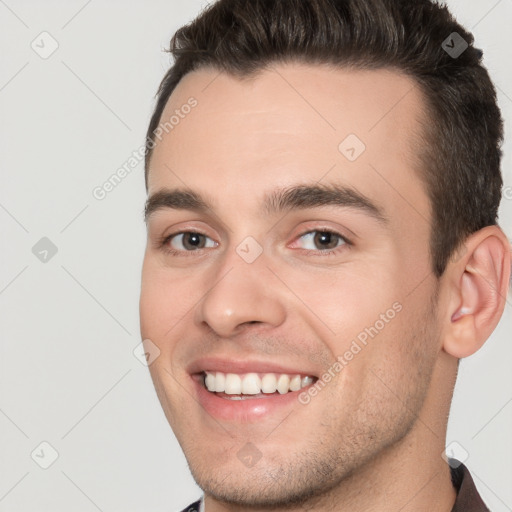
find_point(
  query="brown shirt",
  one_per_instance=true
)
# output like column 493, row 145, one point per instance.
column 468, row 499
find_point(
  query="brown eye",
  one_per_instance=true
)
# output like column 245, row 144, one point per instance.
column 326, row 240
column 190, row 241
column 322, row 240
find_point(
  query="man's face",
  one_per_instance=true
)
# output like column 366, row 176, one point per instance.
column 290, row 286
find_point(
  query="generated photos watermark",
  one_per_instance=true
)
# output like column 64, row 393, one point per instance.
column 100, row 192
column 357, row 345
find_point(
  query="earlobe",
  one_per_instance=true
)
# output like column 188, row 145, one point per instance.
column 461, row 339
column 478, row 292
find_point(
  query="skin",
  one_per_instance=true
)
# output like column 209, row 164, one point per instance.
column 373, row 437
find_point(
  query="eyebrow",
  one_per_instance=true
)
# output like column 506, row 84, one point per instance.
column 296, row 197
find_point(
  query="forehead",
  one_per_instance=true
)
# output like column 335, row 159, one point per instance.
column 294, row 122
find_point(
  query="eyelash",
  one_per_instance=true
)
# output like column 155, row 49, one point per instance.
column 163, row 243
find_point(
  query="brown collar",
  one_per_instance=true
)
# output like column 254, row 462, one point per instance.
column 468, row 499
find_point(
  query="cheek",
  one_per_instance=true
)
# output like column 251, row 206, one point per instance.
column 163, row 302
column 343, row 303
column 402, row 358
column 151, row 307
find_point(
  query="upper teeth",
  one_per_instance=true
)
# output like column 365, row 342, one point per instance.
column 253, row 384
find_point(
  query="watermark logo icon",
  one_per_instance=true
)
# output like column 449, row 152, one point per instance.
column 146, row 352
column 249, row 249
column 44, row 250
column 249, row 455
column 455, row 454
column 45, row 45
column 352, row 147
column 454, row 45
column 44, row 455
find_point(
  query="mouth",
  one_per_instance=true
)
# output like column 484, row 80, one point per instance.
column 250, row 396
column 233, row 386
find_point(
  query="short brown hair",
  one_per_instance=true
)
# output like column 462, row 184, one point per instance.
column 462, row 152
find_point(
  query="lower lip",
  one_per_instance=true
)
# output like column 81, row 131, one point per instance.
column 243, row 411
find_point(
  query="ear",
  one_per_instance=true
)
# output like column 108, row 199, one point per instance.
column 478, row 285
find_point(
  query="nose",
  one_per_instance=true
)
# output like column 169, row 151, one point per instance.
column 240, row 294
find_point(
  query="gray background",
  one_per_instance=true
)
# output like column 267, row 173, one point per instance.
column 69, row 325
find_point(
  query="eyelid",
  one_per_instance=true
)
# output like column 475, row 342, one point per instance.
column 318, row 226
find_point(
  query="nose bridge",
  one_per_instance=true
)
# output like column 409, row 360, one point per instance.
column 240, row 292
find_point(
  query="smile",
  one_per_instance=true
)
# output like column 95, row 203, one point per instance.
column 235, row 386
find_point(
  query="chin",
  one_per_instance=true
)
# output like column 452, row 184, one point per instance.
column 269, row 483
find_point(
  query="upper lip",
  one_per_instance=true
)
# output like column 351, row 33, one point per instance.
column 241, row 366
